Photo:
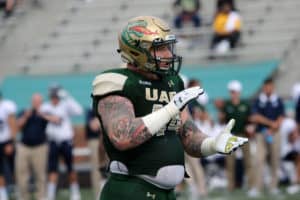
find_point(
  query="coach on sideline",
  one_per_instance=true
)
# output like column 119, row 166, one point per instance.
column 32, row 150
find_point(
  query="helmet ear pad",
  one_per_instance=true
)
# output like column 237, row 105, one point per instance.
column 142, row 60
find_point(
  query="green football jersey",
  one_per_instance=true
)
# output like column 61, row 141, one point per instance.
column 165, row 148
column 238, row 112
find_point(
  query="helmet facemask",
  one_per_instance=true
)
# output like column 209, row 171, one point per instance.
column 173, row 62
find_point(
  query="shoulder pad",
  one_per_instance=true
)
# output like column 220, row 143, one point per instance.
column 108, row 82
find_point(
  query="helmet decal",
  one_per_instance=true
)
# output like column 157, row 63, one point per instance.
column 142, row 30
column 136, row 28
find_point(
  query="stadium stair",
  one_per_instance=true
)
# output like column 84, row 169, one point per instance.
column 82, row 37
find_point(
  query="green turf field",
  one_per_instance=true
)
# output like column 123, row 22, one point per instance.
column 241, row 195
column 86, row 194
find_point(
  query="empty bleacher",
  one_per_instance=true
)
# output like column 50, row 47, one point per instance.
column 82, row 35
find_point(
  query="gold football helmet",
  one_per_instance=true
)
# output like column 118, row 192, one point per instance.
column 142, row 35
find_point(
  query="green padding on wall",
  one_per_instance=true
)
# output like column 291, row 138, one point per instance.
column 20, row 88
column 214, row 78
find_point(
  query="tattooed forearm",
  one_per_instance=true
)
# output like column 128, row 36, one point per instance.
column 127, row 133
column 192, row 138
column 123, row 128
column 188, row 128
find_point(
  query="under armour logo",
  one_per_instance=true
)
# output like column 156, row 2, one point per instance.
column 171, row 83
column 152, row 196
column 180, row 100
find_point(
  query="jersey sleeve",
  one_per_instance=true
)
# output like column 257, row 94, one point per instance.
column 45, row 109
column 10, row 107
column 255, row 107
column 281, row 109
column 73, row 107
column 108, row 83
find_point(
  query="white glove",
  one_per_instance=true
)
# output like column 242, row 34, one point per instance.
column 184, row 97
column 158, row 119
column 225, row 142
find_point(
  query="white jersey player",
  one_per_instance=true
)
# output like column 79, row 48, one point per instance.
column 8, row 110
column 60, row 134
column 7, row 133
column 64, row 109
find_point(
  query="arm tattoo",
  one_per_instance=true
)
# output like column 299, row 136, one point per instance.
column 191, row 138
column 124, row 130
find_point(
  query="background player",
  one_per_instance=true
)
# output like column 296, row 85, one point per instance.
column 60, row 134
column 8, row 130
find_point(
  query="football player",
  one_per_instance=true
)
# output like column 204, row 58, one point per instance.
column 146, row 128
column 8, row 130
column 60, row 135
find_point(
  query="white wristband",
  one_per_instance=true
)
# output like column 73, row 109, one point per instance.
column 156, row 120
column 208, row 146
